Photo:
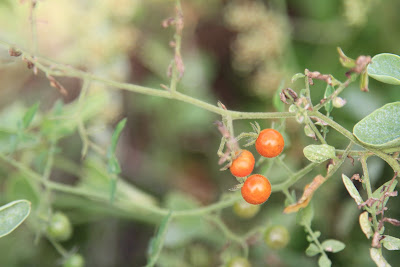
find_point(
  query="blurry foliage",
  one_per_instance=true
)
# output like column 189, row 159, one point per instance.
column 238, row 52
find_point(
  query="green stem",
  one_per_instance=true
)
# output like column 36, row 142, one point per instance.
column 178, row 40
column 283, row 165
column 315, row 130
column 60, row 249
column 332, row 96
column 294, row 178
column 229, row 234
column 367, row 183
column 315, row 239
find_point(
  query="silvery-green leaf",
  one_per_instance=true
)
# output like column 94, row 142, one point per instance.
column 385, row 68
column 12, row 215
column 352, row 189
column 319, row 153
column 381, row 128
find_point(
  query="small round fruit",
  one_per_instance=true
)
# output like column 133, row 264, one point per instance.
column 76, row 260
column 59, row 227
column 243, row 165
column 269, row 143
column 239, row 262
column 256, row 189
column 245, row 210
column 277, row 237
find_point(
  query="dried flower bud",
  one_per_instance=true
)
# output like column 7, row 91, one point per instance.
column 339, row 102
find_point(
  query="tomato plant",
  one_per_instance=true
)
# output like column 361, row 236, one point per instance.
column 270, row 143
column 243, row 164
column 256, row 189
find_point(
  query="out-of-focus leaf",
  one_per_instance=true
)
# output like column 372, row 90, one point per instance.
column 312, row 250
column 391, row 243
column 380, row 191
column 319, row 153
column 381, row 128
column 377, row 257
column 352, row 189
column 305, row 216
column 12, row 215
column 29, row 115
column 332, row 245
column 157, row 242
column 324, row 261
column 276, row 100
column 365, row 225
column 307, row 194
column 115, row 136
column 345, row 60
column 297, row 76
column 328, row 91
column 385, row 68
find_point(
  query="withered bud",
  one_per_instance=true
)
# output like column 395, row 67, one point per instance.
column 54, row 83
column 392, row 221
column 179, row 65
column 168, row 22
column 338, row 102
column 222, row 129
column 282, row 97
column 317, row 75
column 356, row 177
column 14, row 53
column 376, row 240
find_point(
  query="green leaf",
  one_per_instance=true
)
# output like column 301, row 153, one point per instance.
column 12, row 215
column 381, row 128
column 352, row 189
column 115, row 136
column 391, row 243
column 385, row 68
column 328, row 91
column 157, row 242
column 305, row 216
column 365, row 225
column 297, row 76
column 324, row 261
column 377, row 257
column 345, row 60
column 319, row 153
column 380, row 191
column 29, row 115
column 332, row 245
column 113, row 165
column 312, row 250
column 276, row 100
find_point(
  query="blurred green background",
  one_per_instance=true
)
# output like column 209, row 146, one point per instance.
column 238, row 52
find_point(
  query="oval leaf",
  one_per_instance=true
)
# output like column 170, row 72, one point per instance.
column 385, row 68
column 332, row 245
column 312, row 250
column 319, row 153
column 324, row 261
column 391, row 243
column 352, row 189
column 377, row 257
column 297, row 76
column 365, row 225
column 381, row 128
column 12, row 215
